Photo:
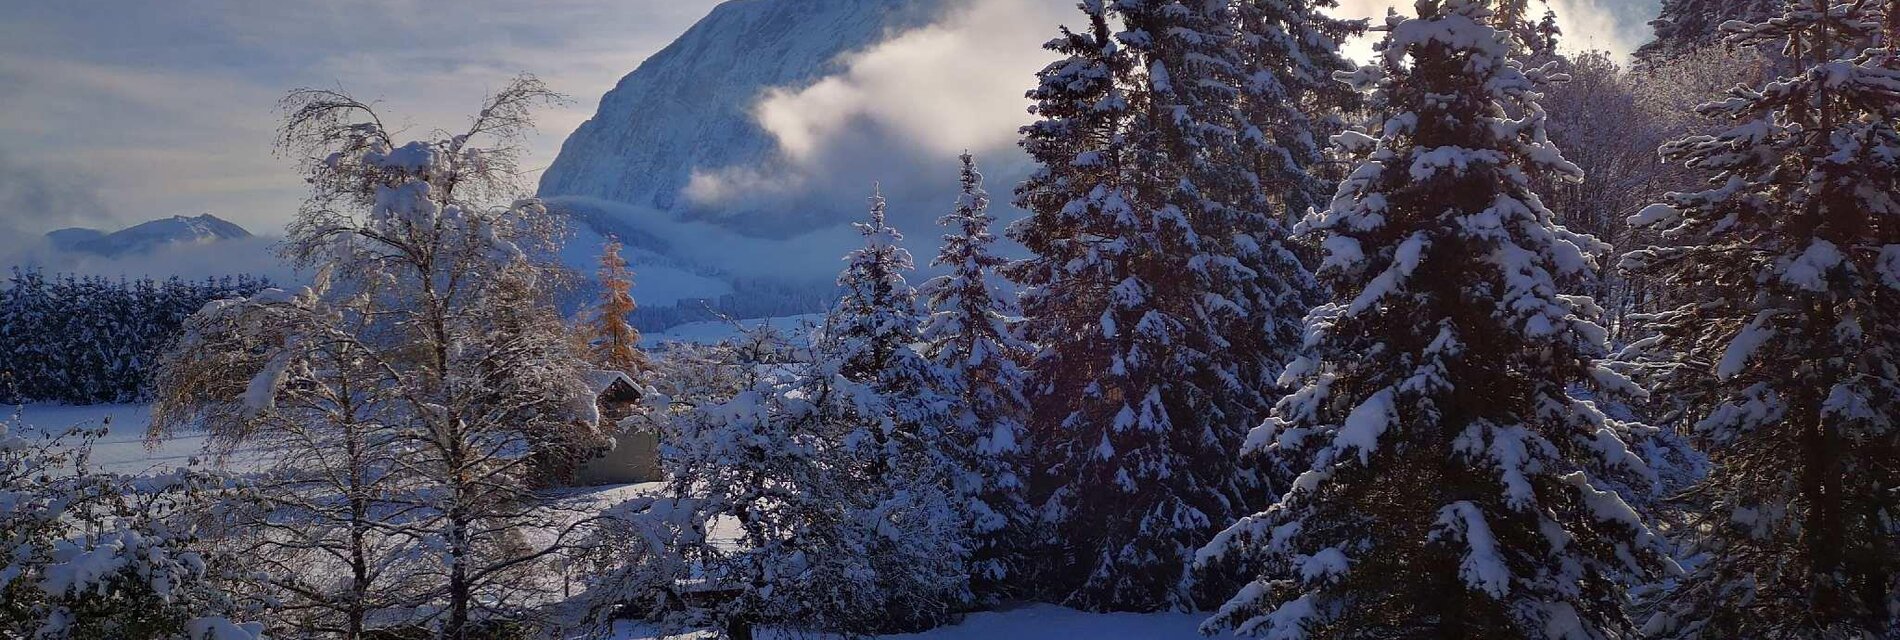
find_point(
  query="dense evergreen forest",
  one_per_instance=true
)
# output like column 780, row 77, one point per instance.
column 90, row 339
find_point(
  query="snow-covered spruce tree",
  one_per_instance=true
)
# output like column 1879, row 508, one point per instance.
column 23, row 307
column 968, row 337
column 757, row 456
column 1110, row 354
column 1542, row 39
column 88, row 339
column 1687, row 25
column 612, row 343
column 1455, row 486
column 821, row 542
column 1161, row 293
column 1288, row 51
column 1235, row 99
column 1532, row 39
column 836, row 463
column 1783, row 337
column 452, row 283
column 873, row 327
column 902, row 432
column 90, row 555
column 1290, row 104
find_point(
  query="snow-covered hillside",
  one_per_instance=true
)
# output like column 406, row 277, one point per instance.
column 689, row 106
column 692, row 107
column 659, row 280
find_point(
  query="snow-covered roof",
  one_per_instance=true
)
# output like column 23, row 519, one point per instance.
column 600, row 380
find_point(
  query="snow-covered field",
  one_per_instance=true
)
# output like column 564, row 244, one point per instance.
column 123, row 449
column 1037, row 622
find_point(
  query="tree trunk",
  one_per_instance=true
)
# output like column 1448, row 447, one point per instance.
column 459, row 591
column 359, row 570
column 460, row 548
column 738, row 628
column 1820, row 489
column 359, row 524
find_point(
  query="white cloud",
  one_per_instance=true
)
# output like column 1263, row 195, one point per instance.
column 122, row 111
column 956, row 84
column 254, row 256
column 926, row 95
column 53, row 195
column 153, row 142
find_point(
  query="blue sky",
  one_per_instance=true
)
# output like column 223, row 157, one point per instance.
column 119, row 111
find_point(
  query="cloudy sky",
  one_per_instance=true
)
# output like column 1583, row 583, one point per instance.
column 119, row 111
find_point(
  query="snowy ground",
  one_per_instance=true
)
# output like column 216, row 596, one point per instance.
column 1028, row 622
column 123, row 448
column 1033, row 622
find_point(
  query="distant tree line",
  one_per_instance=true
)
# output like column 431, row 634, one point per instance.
column 751, row 298
column 91, row 339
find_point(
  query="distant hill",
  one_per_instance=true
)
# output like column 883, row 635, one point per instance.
column 148, row 237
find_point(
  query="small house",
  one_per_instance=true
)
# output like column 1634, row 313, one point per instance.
column 635, row 456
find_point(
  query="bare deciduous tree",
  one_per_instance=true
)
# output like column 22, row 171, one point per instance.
column 423, row 387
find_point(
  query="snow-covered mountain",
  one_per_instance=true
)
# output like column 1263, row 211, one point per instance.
column 148, row 237
column 689, row 106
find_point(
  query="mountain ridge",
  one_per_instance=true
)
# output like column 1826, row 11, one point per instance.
column 147, row 237
column 689, row 106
